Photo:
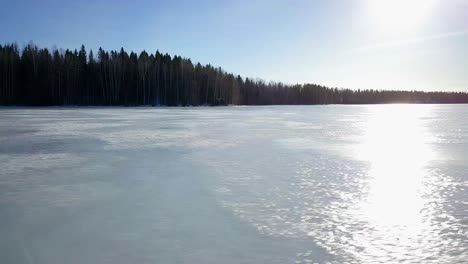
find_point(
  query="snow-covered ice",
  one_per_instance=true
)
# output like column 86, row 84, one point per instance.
column 276, row 184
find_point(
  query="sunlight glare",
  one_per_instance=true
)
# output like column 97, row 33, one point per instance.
column 396, row 148
column 395, row 145
column 399, row 15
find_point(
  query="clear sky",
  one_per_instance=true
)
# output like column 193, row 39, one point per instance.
column 379, row 44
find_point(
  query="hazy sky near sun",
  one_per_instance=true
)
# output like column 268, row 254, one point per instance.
column 379, row 44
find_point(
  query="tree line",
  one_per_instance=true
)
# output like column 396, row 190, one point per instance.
column 41, row 77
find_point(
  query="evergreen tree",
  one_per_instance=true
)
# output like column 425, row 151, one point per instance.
column 36, row 76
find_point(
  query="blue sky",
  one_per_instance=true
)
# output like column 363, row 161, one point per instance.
column 340, row 43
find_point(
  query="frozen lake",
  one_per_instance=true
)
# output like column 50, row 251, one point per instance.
column 290, row 184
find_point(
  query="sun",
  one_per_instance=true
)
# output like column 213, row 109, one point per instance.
column 399, row 15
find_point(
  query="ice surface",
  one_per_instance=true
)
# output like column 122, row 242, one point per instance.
column 372, row 184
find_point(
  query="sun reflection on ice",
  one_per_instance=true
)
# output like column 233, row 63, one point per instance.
column 395, row 145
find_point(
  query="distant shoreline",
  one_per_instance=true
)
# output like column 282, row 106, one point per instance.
column 198, row 106
column 39, row 77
